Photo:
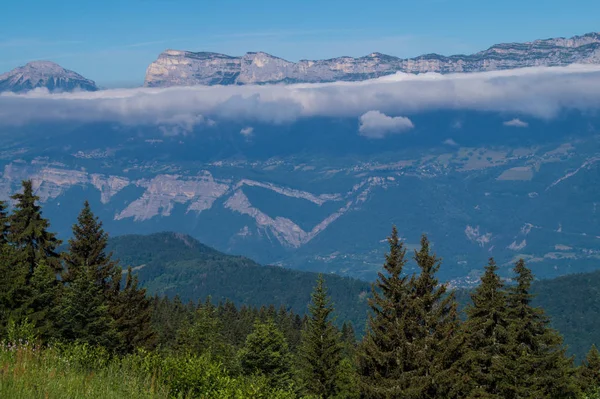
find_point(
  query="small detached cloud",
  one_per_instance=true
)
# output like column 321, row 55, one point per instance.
column 516, row 123
column 377, row 125
column 247, row 131
column 451, row 142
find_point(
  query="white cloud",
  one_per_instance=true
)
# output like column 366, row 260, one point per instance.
column 376, row 125
column 451, row 142
column 247, row 131
column 516, row 123
column 535, row 92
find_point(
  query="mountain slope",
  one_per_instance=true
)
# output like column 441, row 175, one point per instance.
column 176, row 264
column 186, row 68
column 44, row 74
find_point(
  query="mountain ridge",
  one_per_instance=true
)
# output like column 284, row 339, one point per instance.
column 44, row 74
column 187, row 68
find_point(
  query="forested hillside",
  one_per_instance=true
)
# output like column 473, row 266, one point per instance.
column 72, row 324
column 175, row 264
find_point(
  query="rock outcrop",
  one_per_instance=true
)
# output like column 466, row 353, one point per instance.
column 185, row 68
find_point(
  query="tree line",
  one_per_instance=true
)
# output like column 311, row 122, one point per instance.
column 415, row 345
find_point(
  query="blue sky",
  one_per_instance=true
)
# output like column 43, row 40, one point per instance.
column 113, row 42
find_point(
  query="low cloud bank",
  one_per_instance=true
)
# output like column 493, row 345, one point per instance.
column 535, row 92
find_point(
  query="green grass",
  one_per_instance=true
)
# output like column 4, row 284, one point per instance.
column 27, row 372
column 81, row 371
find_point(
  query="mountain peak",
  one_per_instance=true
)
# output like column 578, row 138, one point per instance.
column 45, row 74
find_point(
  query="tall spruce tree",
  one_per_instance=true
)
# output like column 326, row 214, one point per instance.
column 434, row 312
column 481, row 370
column 87, row 248
column 589, row 372
column 538, row 365
column 383, row 354
column 34, row 264
column 320, row 351
column 133, row 316
column 29, row 233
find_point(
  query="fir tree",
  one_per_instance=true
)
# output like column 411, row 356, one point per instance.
column 589, row 371
column 537, row 362
column 382, row 356
column 87, row 248
column 266, row 352
column 320, row 351
column 29, row 233
column 133, row 316
column 43, row 302
column 480, row 370
column 84, row 313
column 33, row 293
column 435, row 315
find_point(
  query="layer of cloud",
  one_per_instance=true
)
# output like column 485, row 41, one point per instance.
column 377, row 125
column 516, row 123
column 535, row 92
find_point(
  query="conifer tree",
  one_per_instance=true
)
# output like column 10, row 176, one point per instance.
column 133, row 316
column 589, row 371
column 537, row 364
column 84, row 313
column 33, row 293
column 383, row 353
column 87, row 248
column 435, row 315
column 480, row 370
column 320, row 351
column 43, row 302
column 266, row 352
column 29, row 233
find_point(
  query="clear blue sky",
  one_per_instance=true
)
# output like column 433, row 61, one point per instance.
column 113, row 41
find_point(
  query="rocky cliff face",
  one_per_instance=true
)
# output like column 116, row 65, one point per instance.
column 44, row 74
column 184, row 68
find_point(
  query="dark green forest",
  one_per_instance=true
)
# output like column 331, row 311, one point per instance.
column 74, row 324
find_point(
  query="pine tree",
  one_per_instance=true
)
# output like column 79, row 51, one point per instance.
column 435, row 313
column 87, row 248
column 133, row 316
column 266, row 352
column 84, row 313
column 538, row 364
column 34, row 264
column 43, row 302
column 320, row 351
column 589, row 371
column 29, row 233
column 383, row 353
column 481, row 371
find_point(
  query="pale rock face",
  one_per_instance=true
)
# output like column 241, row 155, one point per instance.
column 44, row 74
column 184, row 68
column 164, row 191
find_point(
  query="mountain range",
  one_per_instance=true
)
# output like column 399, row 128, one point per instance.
column 186, row 68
